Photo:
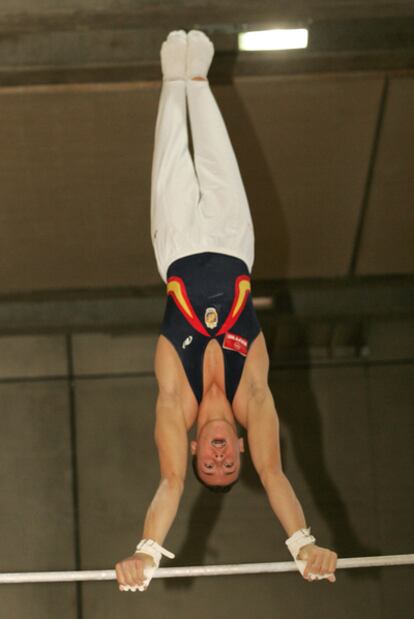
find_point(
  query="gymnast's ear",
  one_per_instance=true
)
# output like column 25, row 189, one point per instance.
column 241, row 445
column 193, row 447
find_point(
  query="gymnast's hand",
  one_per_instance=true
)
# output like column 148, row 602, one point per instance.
column 130, row 572
column 319, row 561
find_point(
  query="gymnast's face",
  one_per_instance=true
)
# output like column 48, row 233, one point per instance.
column 218, row 452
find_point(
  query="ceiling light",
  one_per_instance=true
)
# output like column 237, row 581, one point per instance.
column 273, row 39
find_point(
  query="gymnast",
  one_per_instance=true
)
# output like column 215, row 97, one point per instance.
column 211, row 361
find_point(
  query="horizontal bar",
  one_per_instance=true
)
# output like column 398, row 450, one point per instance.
column 201, row 570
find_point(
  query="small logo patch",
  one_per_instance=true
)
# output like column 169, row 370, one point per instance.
column 187, row 341
column 211, row 318
column 236, row 343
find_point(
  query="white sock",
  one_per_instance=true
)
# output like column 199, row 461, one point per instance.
column 200, row 52
column 174, row 56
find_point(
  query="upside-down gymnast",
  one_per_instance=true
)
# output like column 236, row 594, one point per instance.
column 211, row 361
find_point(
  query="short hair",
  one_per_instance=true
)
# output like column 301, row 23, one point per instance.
column 211, row 487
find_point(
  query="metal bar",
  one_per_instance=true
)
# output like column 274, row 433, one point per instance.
column 201, row 570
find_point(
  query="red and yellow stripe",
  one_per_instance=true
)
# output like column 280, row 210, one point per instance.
column 176, row 288
column 242, row 289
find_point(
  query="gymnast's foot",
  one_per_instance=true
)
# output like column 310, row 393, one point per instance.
column 174, row 56
column 200, row 52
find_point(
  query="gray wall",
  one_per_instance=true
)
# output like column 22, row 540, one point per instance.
column 78, row 468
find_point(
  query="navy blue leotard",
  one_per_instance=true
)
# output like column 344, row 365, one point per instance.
column 209, row 297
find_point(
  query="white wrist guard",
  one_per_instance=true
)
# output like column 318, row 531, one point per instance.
column 301, row 538
column 155, row 551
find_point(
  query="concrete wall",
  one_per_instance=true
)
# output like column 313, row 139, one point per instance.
column 78, row 468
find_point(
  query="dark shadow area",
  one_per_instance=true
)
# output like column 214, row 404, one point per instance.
column 204, row 515
column 271, row 234
column 304, row 424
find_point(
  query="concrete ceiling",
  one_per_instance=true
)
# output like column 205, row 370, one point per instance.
column 323, row 137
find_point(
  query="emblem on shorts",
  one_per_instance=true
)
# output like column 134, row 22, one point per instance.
column 211, row 318
column 187, row 341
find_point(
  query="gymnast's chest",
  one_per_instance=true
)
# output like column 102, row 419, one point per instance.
column 213, row 366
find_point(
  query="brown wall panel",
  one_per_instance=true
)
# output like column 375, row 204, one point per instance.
column 76, row 167
column 304, row 147
column 388, row 237
column 75, row 186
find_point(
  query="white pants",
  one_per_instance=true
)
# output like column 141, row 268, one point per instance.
column 201, row 209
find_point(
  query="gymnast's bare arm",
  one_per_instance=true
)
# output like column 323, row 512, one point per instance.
column 262, row 424
column 172, row 444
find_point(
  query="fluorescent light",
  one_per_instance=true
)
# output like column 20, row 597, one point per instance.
column 273, row 39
